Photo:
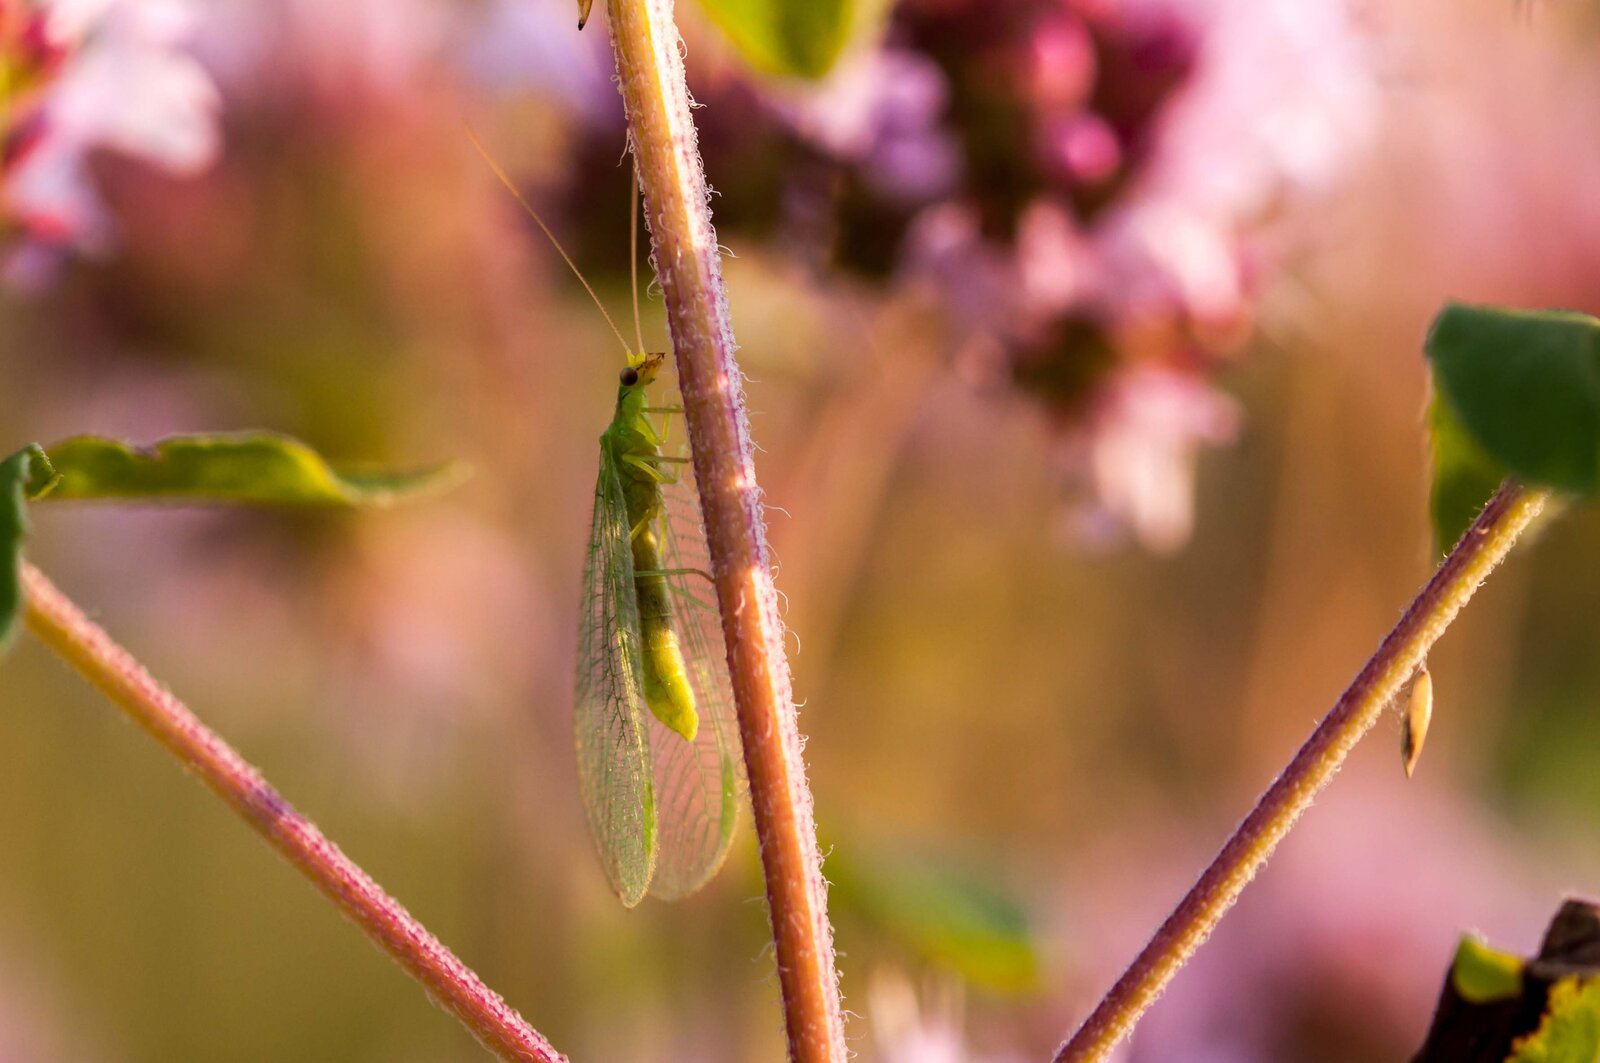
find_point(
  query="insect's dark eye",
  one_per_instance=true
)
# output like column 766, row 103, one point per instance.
column 630, row 377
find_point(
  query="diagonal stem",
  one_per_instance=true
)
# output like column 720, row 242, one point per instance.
column 1512, row 509
column 688, row 263
column 452, row 984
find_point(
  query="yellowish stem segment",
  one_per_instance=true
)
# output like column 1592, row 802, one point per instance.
column 1512, row 509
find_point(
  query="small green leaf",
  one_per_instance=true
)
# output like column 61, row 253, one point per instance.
column 1570, row 1032
column 1483, row 975
column 24, row 475
column 790, row 38
column 943, row 914
column 1463, row 476
column 1526, row 386
column 244, row 467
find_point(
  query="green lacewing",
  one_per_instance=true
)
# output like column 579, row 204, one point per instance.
column 657, row 740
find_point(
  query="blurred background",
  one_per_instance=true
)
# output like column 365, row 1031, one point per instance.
column 1082, row 340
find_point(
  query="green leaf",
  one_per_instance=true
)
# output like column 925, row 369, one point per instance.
column 1526, row 386
column 1463, row 476
column 244, row 467
column 790, row 38
column 945, row 915
column 1483, row 975
column 24, row 475
column 1570, row 1032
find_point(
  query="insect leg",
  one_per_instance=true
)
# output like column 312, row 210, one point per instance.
column 639, row 529
column 643, row 426
column 646, row 464
column 675, row 572
column 676, row 587
column 666, row 420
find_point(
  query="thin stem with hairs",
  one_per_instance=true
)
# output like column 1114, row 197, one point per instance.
column 650, row 76
column 1485, row 544
column 63, row 627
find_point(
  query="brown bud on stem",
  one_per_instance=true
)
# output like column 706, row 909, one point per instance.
column 1414, row 724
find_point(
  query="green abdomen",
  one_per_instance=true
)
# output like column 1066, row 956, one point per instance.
column 666, row 680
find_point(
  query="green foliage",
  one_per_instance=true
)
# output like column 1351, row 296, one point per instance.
column 1570, row 1032
column 244, row 467
column 247, row 467
column 940, row 913
column 1516, row 393
column 1482, row 975
column 1463, row 476
column 790, row 38
column 24, row 475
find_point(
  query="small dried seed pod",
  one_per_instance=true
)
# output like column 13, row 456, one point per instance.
column 1414, row 722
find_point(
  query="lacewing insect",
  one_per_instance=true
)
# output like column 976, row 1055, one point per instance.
column 1414, row 722
column 657, row 741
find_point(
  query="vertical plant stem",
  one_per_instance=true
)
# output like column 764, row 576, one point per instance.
column 1484, row 545
column 452, row 984
column 688, row 264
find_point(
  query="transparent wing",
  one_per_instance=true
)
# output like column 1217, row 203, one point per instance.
column 698, row 784
column 613, row 747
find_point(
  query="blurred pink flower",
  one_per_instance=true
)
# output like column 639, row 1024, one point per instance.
column 1061, row 62
column 881, row 111
column 1099, row 194
column 340, row 53
column 1084, row 147
column 1135, row 453
column 907, row 1030
column 116, row 77
column 514, row 44
column 974, row 280
column 1281, row 97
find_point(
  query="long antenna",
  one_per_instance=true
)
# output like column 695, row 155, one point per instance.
column 633, row 254
column 576, row 272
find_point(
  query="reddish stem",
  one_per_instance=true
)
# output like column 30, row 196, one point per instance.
column 1457, row 578
column 451, row 983
column 688, row 263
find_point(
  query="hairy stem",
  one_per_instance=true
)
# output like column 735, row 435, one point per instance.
column 1484, row 546
column 651, row 79
column 451, row 983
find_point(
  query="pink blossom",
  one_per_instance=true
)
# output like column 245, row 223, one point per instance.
column 1084, row 147
column 517, row 44
column 1134, row 455
column 1061, row 62
column 1172, row 141
column 1281, row 99
column 909, row 1030
column 881, row 110
column 1057, row 266
column 975, row 280
column 122, row 83
column 1160, row 258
